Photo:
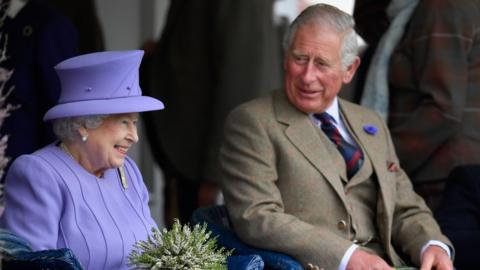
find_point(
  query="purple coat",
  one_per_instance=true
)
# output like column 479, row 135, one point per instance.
column 53, row 203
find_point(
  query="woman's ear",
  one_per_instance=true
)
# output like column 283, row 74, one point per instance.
column 82, row 131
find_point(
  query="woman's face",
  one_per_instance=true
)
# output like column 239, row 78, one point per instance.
column 107, row 145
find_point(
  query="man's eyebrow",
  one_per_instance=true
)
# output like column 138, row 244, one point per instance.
column 299, row 52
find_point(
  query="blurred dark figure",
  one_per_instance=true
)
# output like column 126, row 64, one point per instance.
column 429, row 96
column 37, row 38
column 83, row 15
column 212, row 55
column 371, row 21
column 459, row 215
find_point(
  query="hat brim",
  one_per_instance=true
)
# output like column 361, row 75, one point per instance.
column 104, row 106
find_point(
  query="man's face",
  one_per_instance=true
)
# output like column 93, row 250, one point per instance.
column 313, row 70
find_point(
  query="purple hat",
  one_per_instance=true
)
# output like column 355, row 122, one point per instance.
column 101, row 83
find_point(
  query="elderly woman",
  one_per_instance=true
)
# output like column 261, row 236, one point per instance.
column 83, row 192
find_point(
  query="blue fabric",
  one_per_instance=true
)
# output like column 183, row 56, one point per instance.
column 216, row 218
column 17, row 254
column 245, row 262
column 38, row 39
column 54, row 259
column 11, row 244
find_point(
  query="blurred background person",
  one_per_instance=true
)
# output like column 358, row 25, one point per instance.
column 423, row 80
column 36, row 37
column 84, row 16
column 211, row 56
column 371, row 22
column 459, row 214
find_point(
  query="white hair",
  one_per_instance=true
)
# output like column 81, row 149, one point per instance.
column 67, row 128
column 323, row 14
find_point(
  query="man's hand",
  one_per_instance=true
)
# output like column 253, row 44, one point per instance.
column 362, row 260
column 436, row 258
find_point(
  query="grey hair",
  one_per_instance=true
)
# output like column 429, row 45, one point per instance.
column 67, row 128
column 323, row 14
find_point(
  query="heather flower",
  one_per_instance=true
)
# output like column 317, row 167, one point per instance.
column 5, row 109
column 181, row 248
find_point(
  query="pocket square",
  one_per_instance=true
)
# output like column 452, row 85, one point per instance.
column 392, row 166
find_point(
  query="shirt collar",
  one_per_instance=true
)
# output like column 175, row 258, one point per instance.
column 331, row 110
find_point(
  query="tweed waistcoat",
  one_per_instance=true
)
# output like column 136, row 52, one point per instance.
column 362, row 195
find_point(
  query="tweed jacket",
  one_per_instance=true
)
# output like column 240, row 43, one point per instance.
column 283, row 193
column 434, row 80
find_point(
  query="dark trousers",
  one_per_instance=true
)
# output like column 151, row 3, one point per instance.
column 431, row 192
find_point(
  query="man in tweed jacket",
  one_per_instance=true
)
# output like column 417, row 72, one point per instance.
column 285, row 182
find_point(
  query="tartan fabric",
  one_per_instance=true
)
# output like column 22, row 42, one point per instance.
column 434, row 89
column 353, row 155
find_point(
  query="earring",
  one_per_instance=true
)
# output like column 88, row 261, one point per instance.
column 84, row 138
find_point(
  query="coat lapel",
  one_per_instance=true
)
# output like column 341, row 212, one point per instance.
column 305, row 137
column 373, row 146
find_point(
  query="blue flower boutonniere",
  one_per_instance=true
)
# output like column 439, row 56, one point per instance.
column 370, row 129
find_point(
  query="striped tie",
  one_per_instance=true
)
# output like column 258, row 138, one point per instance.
column 353, row 156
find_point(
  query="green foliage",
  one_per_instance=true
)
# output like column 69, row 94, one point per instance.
column 181, row 248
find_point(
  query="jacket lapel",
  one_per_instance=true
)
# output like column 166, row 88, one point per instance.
column 305, row 137
column 373, row 147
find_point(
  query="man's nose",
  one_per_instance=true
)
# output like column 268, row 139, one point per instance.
column 309, row 73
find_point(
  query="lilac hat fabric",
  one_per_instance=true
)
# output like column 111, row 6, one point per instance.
column 101, row 83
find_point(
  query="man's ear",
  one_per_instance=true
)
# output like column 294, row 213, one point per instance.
column 350, row 70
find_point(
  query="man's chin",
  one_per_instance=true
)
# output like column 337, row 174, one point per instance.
column 317, row 108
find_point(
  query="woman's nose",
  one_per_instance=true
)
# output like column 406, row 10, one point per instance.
column 133, row 135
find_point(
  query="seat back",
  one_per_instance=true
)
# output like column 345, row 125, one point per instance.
column 16, row 253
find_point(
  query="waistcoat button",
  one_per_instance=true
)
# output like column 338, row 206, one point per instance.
column 342, row 225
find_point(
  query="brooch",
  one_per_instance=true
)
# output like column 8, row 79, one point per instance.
column 370, row 129
column 123, row 178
